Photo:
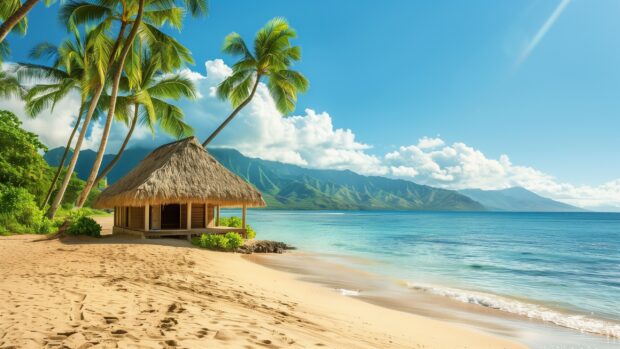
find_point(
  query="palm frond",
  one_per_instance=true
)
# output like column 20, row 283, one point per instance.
column 225, row 88
column 28, row 72
column 159, row 17
column 10, row 86
column 197, row 8
column 81, row 12
column 173, row 87
column 44, row 50
column 171, row 119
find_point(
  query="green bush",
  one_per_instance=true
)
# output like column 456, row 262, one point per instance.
column 19, row 212
column 229, row 242
column 83, row 225
column 237, row 222
column 234, row 240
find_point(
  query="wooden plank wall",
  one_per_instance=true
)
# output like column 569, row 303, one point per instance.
column 136, row 217
column 198, row 215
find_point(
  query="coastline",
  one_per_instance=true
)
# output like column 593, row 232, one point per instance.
column 123, row 291
column 398, row 295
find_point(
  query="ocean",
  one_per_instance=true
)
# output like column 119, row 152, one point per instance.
column 551, row 280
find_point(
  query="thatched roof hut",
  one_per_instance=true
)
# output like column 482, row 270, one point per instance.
column 177, row 176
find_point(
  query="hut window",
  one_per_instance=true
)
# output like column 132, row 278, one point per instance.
column 171, row 216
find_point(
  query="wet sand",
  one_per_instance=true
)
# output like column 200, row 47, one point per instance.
column 335, row 273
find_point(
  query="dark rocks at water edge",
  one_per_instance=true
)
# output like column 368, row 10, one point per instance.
column 264, row 246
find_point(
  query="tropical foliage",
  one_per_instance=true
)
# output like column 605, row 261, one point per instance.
column 227, row 242
column 24, row 179
column 124, row 67
column 271, row 59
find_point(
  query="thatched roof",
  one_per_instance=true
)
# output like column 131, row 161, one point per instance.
column 180, row 172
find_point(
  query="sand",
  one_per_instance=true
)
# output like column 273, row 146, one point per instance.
column 129, row 293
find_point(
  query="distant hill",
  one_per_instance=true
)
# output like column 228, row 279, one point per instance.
column 286, row 186
column 517, row 199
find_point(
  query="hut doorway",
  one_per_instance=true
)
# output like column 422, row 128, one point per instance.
column 171, row 216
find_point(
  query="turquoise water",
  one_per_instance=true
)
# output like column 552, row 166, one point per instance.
column 561, row 268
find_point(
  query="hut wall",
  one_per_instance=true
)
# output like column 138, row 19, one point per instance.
column 198, row 215
column 136, row 217
column 184, row 216
column 210, row 215
column 156, row 217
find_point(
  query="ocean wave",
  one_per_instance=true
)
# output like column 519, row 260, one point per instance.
column 345, row 292
column 533, row 311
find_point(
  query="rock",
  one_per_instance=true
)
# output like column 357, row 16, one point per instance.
column 263, row 246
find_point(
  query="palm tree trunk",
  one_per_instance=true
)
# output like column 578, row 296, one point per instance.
column 108, row 168
column 76, row 152
column 17, row 16
column 64, row 157
column 233, row 114
column 90, row 181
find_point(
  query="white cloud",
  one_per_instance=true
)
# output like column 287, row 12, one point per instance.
column 429, row 143
column 311, row 140
column 261, row 131
column 459, row 166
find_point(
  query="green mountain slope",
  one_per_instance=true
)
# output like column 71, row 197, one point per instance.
column 287, row 186
column 517, row 199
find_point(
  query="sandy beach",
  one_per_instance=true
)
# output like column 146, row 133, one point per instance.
column 123, row 292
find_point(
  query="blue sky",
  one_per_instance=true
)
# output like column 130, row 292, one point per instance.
column 394, row 72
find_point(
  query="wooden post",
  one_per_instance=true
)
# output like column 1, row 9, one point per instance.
column 245, row 232
column 147, row 220
column 189, row 216
column 217, row 215
column 206, row 215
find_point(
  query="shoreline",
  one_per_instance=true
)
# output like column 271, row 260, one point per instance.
column 400, row 296
column 164, row 292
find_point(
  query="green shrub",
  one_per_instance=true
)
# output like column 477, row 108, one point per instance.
column 229, row 242
column 237, row 222
column 46, row 226
column 83, row 225
column 19, row 212
column 234, row 240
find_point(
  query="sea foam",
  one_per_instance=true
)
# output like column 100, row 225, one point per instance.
column 345, row 292
column 534, row 311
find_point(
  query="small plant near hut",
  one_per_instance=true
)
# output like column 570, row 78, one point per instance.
column 83, row 225
column 229, row 242
column 237, row 222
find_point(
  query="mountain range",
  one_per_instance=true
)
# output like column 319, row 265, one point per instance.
column 286, row 186
column 516, row 199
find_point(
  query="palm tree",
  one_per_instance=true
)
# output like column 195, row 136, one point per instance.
column 13, row 12
column 151, row 93
column 272, row 57
column 102, row 56
column 148, row 15
column 68, row 73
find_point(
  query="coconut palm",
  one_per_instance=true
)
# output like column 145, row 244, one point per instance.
column 69, row 72
column 13, row 13
column 271, row 59
column 105, row 57
column 152, row 93
column 144, row 17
